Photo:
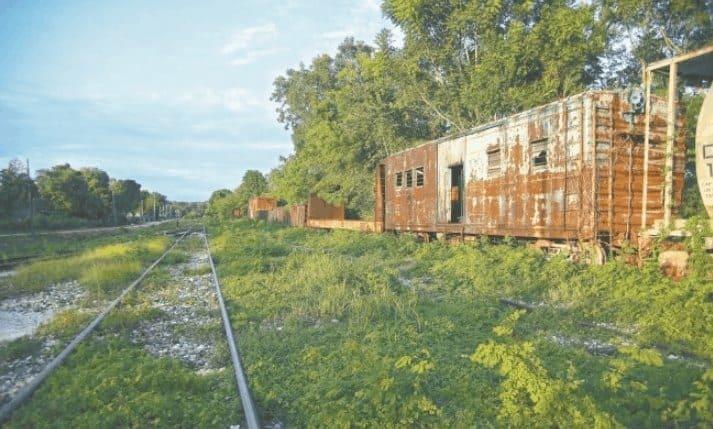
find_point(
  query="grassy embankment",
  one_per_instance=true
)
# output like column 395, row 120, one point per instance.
column 345, row 329
column 59, row 245
column 111, row 382
column 102, row 267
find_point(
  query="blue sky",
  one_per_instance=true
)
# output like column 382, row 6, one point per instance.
column 174, row 94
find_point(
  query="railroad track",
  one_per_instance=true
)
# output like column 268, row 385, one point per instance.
column 9, row 263
column 248, row 405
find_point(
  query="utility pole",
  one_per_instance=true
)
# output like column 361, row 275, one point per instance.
column 113, row 207
column 154, row 207
column 29, row 193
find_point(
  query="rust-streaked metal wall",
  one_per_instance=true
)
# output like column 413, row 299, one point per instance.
column 590, row 185
column 411, row 208
column 259, row 207
column 317, row 208
column 279, row 215
column 298, row 215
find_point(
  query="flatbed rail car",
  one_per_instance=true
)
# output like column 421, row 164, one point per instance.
column 572, row 171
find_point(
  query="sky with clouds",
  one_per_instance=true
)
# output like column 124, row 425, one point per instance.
column 174, row 94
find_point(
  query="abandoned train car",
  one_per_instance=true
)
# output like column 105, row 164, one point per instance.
column 570, row 171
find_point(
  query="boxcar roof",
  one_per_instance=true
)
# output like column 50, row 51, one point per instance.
column 502, row 121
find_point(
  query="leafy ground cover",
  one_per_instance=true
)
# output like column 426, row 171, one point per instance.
column 115, row 380
column 343, row 329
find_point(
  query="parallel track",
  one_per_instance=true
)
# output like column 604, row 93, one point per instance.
column 248, row 405
column 27, row 391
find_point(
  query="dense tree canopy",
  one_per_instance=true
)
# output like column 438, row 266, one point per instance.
column 462, row 63
column 61, row 191
column 16, row 187
column 223, row 202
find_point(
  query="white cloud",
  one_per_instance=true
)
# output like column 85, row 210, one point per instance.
column 372, row 5
column 332, row 35
column 233, row 99
column 252, row 56
column 247, row 36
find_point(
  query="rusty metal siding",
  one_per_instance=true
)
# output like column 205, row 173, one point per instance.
column 621, row 177
column 298, row 215
column 279, row 215
column 260, row 204
column 379, row 195
column 317, row 208
column 590, row 187
column 411, row 208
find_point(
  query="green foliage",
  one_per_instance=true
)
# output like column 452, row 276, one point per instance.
column 64, row 189
column 342, row 329
column 112, row 384
column 19, row 348
column 462, row 64
column 16, row 188
column 223, row 202
column 62, row 196
column 100, row 269
column 126, row 194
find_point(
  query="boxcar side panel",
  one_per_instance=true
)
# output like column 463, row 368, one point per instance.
column 410, row 208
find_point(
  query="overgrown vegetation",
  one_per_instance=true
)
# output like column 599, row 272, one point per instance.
column 342, row 329
column 100, row 269
column 111, row 381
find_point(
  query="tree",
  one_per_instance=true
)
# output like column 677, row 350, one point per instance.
column 16, row 187
column 253, row 184
column 98, row 204
column 463, row 63
column 126, row 194
column 215, row 199
column 64, row 189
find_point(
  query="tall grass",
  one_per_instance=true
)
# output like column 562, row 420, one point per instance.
column 100, row 270
column 342, row 328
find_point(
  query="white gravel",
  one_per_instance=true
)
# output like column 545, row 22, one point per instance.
column 22, row 315
column 190, row 309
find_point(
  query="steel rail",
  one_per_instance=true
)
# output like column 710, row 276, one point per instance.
column 24, row 393
column 249, row 409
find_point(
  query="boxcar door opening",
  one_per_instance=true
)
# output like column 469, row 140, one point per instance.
column 456, row 193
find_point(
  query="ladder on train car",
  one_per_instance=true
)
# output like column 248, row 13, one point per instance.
column 604, row 148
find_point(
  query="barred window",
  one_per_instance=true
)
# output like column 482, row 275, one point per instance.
column 409, row 178
column 399, row 179
column 419, row 176
column 494, row 161
column 538, row 154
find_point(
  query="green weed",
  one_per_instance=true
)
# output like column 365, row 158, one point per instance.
column 342, row 327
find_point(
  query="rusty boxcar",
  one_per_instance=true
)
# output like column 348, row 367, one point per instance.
column 260, row 207
column 568, row 171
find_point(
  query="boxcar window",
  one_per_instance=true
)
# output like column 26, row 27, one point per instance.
column 399, row 179
column 538, row 154
column 493, row 161
column 419, row 176
column 409, row 178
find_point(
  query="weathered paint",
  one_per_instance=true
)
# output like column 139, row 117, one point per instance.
column 589, row 187
column 410, row 208
column 317, row 208
column 704, row 152
column 354, row 225
column 259, row 207
column 298, row 215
